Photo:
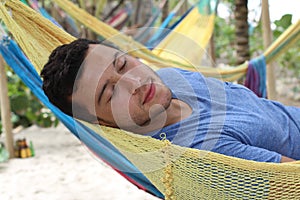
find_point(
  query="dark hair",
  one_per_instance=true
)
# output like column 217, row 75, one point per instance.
column 60, row 72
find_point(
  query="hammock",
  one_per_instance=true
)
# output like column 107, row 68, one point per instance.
column 144, row 32
column 119, row 20
column 193, row 32
column 198, row 20
column 134, row 48
column 127, row 44
column 176, row 172
column 34, row 5
column 165, row 27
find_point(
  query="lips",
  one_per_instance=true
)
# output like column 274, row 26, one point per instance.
column 149, row 93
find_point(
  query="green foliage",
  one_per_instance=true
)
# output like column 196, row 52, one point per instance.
column 26, row 109
column 256, row 42
column 224, row 33
column 282, row 24
column 291, row 57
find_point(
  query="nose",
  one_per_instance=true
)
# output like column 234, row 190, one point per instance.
column 130, row 82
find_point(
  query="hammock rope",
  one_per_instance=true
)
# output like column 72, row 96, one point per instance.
column 285, row 41
column 177, row 172
column 136, row 49
column 162, row 28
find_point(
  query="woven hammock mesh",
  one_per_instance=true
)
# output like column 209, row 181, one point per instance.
column 196, row 174
column 178, row 172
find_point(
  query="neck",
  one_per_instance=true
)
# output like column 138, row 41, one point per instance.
column 177, row 111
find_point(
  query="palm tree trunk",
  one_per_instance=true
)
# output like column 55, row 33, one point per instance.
column 165, row 11
column 242, row 36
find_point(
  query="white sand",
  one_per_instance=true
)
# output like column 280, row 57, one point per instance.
column 62, row 169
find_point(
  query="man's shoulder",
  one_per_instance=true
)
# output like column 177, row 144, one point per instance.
column 172, row 70
column 176, row 73
column 178, row 76
column 174, row 76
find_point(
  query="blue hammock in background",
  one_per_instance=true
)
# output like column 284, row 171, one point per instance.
column 165, row 28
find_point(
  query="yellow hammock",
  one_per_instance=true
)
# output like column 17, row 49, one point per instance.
column 173, row 48
column 193, row 32
column 178, row 172
column 171, row 55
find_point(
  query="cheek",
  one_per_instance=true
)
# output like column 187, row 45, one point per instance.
column 133, row 106
column 123, row 107
column 163, row 95
column 104, row 112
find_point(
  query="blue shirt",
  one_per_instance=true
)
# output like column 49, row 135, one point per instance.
column 230, row 119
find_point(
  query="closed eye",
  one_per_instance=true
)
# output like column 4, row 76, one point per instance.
column 120, row 62
column 112, row 91
column 123, row 66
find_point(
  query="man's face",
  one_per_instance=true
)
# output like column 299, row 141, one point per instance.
column 120, row 91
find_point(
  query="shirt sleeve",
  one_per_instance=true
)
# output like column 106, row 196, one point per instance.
column 232, row 147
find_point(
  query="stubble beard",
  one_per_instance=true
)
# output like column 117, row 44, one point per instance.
column 158, row 114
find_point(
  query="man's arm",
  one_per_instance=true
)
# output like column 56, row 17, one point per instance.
column 286, row 159
column 232, row 147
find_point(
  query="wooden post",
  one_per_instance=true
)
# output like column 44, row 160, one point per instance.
column 268, row 37
column 212, row 52
column 5, row 110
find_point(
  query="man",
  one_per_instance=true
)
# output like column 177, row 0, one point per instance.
column 100, row 84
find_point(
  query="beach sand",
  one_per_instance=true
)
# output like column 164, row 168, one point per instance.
column 62, row 169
